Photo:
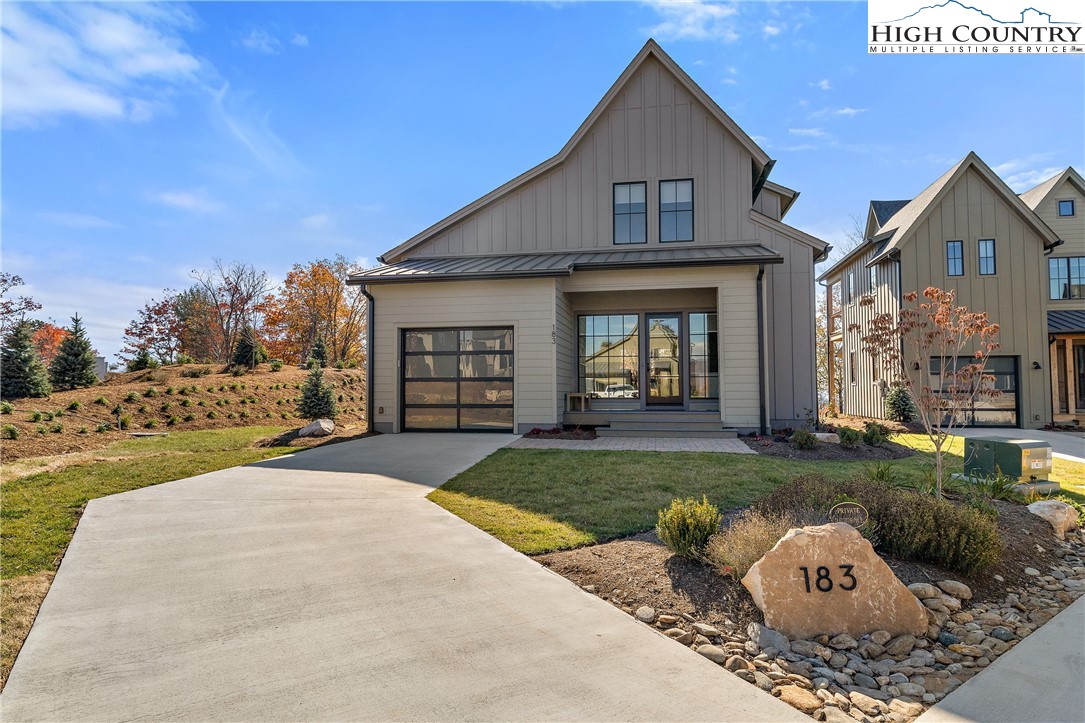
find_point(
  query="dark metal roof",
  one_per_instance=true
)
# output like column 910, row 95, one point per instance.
column 1065, row 321
column 562, row 264
column 884, row 210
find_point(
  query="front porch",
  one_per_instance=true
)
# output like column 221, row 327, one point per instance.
column 656, row 424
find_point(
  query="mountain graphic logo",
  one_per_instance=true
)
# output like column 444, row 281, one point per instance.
column 1037, row 17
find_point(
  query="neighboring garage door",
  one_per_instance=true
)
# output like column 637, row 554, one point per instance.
column 998, row 411
column 457, row 379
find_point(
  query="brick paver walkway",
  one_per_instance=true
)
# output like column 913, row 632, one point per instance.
column 638, row 444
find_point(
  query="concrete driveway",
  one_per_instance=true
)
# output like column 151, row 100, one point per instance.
column 323, row 586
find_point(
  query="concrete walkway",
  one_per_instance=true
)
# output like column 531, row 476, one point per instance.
column 324, row 586
column 1041, row 679
column 1065, row 445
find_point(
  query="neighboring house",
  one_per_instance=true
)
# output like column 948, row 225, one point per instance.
column 644, row 268
column 1060, row 202
column 970, row 233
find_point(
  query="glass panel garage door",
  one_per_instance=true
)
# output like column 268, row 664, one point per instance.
column 994, row 411
column 457, row 380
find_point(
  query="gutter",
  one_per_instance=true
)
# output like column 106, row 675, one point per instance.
column 1052, row 247
column 371, row 315
column 761, row 396
column 762, row 177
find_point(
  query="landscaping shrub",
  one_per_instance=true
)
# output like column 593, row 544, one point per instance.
column 124, row 422
column 143, row 409
column 908, row 525
column 186, row 402
column 231, row 415
column 142, row 360
column 82, row 430
column 6, row 408
column 57, row 413
column 212, row 414
column 102, row 428
column 166, row 406
column 882, row 472
column 170, row 390
column 849, row 437
column 276, row 365
column 40, row 429
column 196, row 372
column 993, row 487
column 131, row 397
column 238, row 371
column 74, row 406
column 150, row 423
column 116, row 410
column 686, row 526
column 875, row 434
column 151, row 392
column 9, row 431
column 57, row 428
column 49, row 416
column 172, row 421
column 183, row 359
column 899, row 405
column 36, row 416
column 317, row 401
column 102, row 401
column 745, row 541
column 803, row 439
column 24, row 374
column 189, row 417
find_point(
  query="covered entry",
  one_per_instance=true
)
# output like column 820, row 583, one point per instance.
column 457, row 379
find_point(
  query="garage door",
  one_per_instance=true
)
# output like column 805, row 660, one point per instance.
column 988, row 411
column 457, row 379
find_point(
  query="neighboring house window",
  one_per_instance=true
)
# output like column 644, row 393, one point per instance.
column 851, row 366
column 1066, row 208
column 675, row 211
column 1067, row 277
column 874, row 373
column 851, row 286
column 986, row 247
column 630, row 213
column 955, row 258
column 609, row 355
column 704, row 357
column 873, row 278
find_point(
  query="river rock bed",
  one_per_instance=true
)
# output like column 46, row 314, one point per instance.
column 878, row 677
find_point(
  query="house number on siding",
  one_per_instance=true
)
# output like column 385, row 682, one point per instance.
column 824, row 582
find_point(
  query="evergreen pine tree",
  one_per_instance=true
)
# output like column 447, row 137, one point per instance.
column 142, row 360
column 21, row 372
column 319, row 351
column 317, row 400
column 249, row 351
column 73, row 365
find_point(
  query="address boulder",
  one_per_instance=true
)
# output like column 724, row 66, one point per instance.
column 828, row 580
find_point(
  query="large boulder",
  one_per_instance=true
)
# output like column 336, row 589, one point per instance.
column 828, row 580
column 318, row 428
column 1063, row 517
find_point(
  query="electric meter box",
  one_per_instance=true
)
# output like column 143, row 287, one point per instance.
column 1022, row 459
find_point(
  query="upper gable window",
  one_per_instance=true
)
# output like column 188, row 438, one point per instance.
column 954, row 258
column 987, row 256
column 630, row 213
column 1066, row 208
column 675, row 211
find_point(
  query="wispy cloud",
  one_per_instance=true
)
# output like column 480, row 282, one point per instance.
column 846, row 112
column 196, row 201
column 234, row 113
column 302, row 41
column 77, row 220
column 1023, row 173
column 771, row 30
column 102, row 62
column 317, row 221
column 695, row 20
column 808, row 132
column 259, row 40
column 823, row 84
column 732, row 73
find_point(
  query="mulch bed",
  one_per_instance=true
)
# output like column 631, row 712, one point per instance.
column 559, row 433
column 644, row 572
column 828, row 450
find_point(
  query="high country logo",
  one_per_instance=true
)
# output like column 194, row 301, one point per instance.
column 976, row 26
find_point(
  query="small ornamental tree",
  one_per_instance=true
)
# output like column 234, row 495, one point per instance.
column 249, row 351
column 142, row 360
column 73, row 365
column 317, row 400
column 319, row 351
column 21, row 372
column 937, row 351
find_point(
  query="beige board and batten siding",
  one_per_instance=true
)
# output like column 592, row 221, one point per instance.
column 736, row 308
column 652, row 130
column 1071, row 229
column 565, row 340
column 527, row 305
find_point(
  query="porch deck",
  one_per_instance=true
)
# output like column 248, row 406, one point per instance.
column 651, row 423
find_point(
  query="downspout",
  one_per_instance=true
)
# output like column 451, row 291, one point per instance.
column 370, row 311
column 761, row 396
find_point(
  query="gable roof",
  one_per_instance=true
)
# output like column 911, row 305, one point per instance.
column 896, row 229
column 650, row 49
column 788, row 196
column 1034, row 197
column 884, row 210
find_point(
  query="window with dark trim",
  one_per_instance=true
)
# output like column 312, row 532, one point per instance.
column 1067, row 277
column 675, row 211
column 873, row 279
column 851, row 366
column 851, row 287
column 630, row 213
column 609, row 355
column 1066, row 208
column 704, row 356
column 985, row 248
column 954, row 258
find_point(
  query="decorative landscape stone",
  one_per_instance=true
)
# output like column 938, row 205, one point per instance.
column 318, row 428
column 828, row 580
column 1061, row 516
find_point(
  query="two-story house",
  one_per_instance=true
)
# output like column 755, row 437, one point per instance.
column 1060, row 202
column 641, row 280
column 970, row 233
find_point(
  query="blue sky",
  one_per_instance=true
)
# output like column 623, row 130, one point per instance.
column 141, row 141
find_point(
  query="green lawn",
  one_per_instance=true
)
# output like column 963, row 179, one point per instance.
column 543, row 500
column 40, row 511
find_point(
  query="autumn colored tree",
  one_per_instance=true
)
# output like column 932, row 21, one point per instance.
column 200, row 335
column 73, row 365
column 13, row 309
column 23, row 373
column 236, row 294
column 46, row 339
column 156, row 329
column 938, row 352
column 313, row 303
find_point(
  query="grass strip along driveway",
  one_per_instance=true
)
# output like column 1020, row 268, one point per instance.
column 540, row 501
column 40, row 511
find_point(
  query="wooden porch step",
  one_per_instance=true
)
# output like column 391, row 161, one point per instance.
column 708, row 425
column 668, row 432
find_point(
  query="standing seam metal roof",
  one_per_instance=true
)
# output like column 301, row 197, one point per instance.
column 1065, row 321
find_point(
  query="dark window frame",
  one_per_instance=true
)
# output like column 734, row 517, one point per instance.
column 708, row 356
column 980, row 258
column 692, row 210
column 853, row 376
column 1073, row 208
column 849, row 286
column 614, row 213
column 959, row 259
column 873, row 278
column 1066, row 277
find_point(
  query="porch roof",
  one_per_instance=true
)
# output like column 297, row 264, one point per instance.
column 1065, row 321
column 444, row 268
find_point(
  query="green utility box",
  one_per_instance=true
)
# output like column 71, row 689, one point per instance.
column 1026, row 460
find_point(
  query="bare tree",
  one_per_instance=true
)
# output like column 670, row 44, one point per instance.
column 236, row 291
column 13, row 310
column 853, row 237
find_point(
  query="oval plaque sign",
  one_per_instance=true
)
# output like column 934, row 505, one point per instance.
column 852, row 513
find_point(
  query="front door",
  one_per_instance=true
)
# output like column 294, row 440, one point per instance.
column 663, row 359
